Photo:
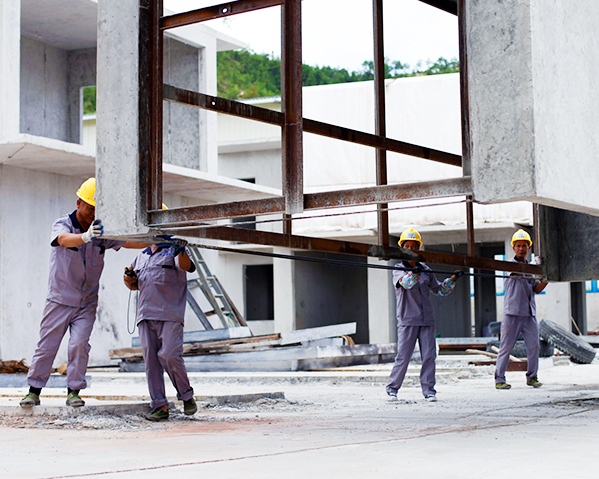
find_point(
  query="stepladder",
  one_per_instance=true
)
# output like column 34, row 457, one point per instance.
column 215, row 294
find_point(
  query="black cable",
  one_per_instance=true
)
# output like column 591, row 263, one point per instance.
column 128, row 304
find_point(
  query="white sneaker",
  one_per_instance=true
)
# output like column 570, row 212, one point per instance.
column 431, row 398
column 392, row 394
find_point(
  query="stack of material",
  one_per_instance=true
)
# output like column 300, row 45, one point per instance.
column 301, row 350
column 13, row 367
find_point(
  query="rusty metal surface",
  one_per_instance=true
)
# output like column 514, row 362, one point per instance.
column 470, row 226
column 330, row 199
column 154, row 181
column 272, row 117
column 464, row 98
column 240, row 235
column 215, row 11
column 382, row 217
column 291, row 96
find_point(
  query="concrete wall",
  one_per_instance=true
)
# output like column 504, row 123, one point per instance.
column 30, row 202
column 10, row 58
column 331, row 294
column 44, row 90
column 81, row 73
column 181, row 126
column 263, row 165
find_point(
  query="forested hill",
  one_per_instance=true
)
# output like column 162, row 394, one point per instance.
column 244, row 74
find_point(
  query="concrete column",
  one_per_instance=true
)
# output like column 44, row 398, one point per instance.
column 117, row 165
column 208, row 119
column 381, row 304
column 10, row 65
column 284, row 292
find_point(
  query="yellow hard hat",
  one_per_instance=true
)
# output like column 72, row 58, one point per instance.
column 410, row 235
column 521, row 235
column 87, row 191
column 164, row 207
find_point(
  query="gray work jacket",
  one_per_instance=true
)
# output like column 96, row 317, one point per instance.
column 519, row 299
column 162, row 285
column 75, row 272
column 413, row 306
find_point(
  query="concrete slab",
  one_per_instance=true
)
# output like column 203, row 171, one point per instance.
column 320, row 430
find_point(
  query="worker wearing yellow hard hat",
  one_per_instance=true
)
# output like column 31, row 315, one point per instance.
column 519, row 316
column 76, row 263
column 413, row 283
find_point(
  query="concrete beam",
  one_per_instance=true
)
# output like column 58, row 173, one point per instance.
column 533, row 104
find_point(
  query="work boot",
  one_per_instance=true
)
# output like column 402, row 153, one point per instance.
column 190, row 407
column 157, row 414
column 502, row 386
column 534, row 382
column 74, row 400
column 30, row 400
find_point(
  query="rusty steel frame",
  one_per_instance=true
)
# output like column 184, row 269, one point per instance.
column 153, row 92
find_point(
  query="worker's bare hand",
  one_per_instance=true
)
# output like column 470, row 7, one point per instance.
column 130, row 282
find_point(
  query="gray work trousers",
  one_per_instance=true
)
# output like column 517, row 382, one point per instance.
column 406, row 341
column 55, row 322
column 511, row 327
column 162, row 348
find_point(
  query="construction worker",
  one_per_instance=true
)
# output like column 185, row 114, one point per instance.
column 159, row 273
column 413, row 282
column 76, row 263
column 519, row 316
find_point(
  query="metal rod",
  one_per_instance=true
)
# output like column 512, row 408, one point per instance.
column 216, row 11
column 537, row 231
column 382, row 216
column 331, row 199
column 470, row 226
column 287, row 225
column 242, row 110
column 291, row 88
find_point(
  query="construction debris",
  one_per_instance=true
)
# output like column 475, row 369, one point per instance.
column 13, row 367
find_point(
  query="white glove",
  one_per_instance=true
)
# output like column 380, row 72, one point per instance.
column 95, row 231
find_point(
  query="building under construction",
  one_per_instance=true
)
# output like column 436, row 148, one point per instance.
column 520, row 113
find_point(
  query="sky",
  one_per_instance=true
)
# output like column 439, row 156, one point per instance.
column 338, row 33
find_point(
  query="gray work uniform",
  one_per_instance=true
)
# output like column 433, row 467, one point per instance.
column 519, row 316
column 415, row 322
column 160, row 318
column 70, row 304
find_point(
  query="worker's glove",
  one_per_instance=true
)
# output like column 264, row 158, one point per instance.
column 457, row 274
column 179, row 246
column 95, row 231
column 416, row 270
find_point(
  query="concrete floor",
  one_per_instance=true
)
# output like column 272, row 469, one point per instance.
column 328, row 426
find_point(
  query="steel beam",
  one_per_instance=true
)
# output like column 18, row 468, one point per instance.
column 313, row 201
column 240, row 235
column 291, row 89
column 382, row 215
column 216, row 11
column 230, row 107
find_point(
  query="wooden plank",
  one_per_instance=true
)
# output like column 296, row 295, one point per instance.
column 201, row 348
column 212, row 335
column 310, row 334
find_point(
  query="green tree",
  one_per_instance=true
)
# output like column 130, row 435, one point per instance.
column 89, row 100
